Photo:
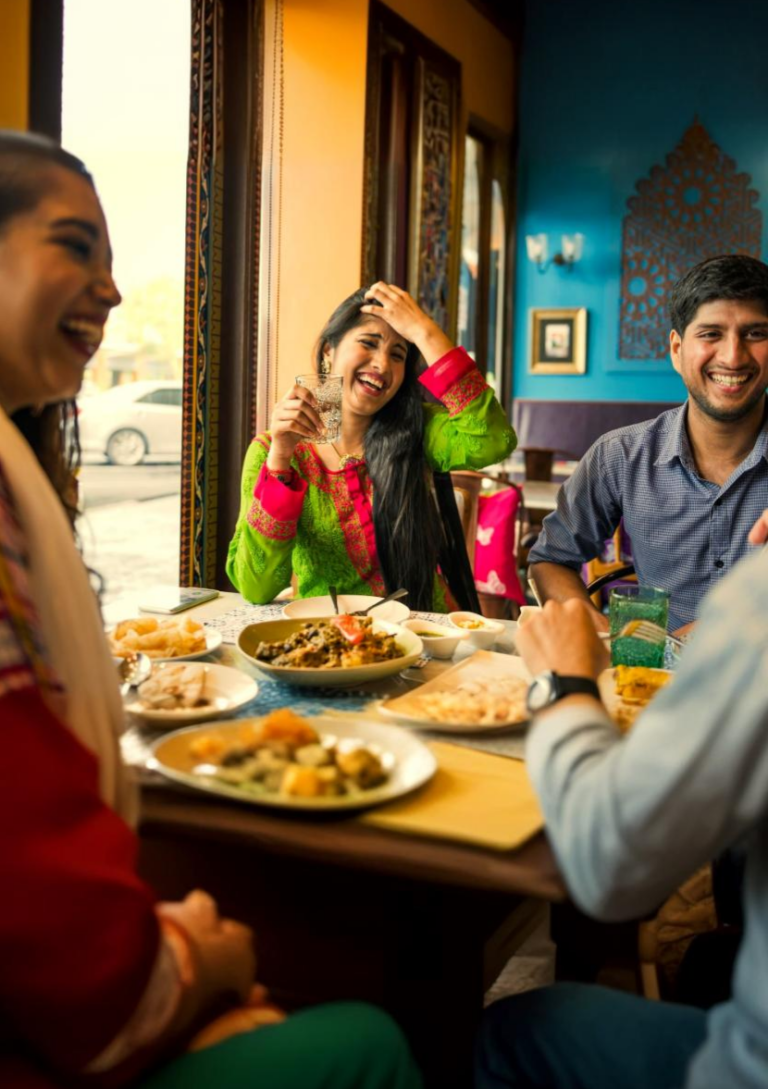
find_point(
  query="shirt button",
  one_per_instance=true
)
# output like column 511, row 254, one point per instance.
column 719, row 564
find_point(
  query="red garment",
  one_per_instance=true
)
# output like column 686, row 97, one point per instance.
column 78, row 933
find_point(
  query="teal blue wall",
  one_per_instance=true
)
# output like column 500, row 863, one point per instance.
column 607, row 91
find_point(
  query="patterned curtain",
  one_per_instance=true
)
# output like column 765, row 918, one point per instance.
column 202, row 300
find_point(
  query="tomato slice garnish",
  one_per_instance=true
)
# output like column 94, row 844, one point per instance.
column 350, row 627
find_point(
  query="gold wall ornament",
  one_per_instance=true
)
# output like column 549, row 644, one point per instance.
column 695, row 206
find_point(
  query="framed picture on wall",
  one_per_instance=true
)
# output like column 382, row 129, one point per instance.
column 559, row 341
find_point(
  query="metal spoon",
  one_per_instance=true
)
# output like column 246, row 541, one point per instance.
column 394, row 596
column 332, row 592
column 133, row 670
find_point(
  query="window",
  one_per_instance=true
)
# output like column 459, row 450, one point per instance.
column 483, row 257
column 470, row 247
column 162, row 397
column 125, row 112
column 497, row 258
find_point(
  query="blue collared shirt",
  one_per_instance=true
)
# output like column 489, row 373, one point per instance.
column 687, row 533
column 631, row 817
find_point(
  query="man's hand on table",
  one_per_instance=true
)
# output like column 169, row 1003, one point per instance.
column 563, row 638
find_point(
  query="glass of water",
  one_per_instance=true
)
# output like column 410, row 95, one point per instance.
column 637, row 603
column 326, row 389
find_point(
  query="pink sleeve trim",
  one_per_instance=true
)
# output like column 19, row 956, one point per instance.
column 447, row 371
column 364, row 512
column 276, row 506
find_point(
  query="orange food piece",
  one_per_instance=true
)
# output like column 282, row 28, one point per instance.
column 207, row 747
column 284, row 725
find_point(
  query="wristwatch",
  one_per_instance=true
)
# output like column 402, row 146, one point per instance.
column 548, row 687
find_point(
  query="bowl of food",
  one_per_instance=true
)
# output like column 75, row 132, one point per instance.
column 439, row 641
column 482, row 632
column 627, row 690
column 306, row 608
column 329, row 652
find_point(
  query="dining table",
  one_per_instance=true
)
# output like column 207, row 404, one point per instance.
column 343, row 906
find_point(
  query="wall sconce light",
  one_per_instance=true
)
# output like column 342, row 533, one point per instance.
column 571, row 249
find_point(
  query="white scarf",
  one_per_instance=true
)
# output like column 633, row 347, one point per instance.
column 69, row 617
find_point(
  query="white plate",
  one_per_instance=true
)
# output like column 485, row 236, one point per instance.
column 409, row 761
column 308, row 607
column 269, row 631
column 225, row 688
column 213, row 641
column 484, row 666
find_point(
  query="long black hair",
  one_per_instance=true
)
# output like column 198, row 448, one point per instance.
column 25, row 178
column 409, row 535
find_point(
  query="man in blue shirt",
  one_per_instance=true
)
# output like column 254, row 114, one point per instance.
column 629, row 818
column 690, row 483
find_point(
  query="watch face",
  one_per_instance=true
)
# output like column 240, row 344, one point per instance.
column 541, row 692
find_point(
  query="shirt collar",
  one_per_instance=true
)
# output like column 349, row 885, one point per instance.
column 677, row 445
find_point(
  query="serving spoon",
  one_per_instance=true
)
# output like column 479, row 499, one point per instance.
column 133, row 670
column 334, row 599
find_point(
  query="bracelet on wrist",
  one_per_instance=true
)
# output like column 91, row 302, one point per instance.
column 285, row 476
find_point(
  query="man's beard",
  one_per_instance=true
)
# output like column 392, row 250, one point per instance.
column 726, row 415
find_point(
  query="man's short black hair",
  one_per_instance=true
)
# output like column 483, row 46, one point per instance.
column 731, row 276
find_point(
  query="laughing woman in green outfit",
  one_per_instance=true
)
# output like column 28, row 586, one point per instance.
column 360, row 514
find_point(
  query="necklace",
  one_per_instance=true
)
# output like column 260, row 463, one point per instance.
column 347, row 459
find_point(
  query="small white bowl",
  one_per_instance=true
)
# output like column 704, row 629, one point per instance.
column 483, row 636
column 439, row 641
column 527, row 612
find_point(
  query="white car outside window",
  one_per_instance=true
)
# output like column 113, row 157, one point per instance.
column 129, row 423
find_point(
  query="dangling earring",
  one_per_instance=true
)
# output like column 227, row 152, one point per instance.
column 325, row 366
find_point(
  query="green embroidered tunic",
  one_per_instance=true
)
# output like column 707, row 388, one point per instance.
column 320, row 528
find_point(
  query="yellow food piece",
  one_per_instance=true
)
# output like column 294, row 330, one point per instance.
column 638, row 684
column 300, row 782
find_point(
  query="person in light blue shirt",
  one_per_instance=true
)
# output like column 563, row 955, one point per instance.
column 690, row 483
column 629, row 818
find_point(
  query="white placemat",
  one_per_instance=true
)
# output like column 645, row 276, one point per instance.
column 232, row 623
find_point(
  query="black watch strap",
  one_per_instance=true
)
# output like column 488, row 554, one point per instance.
column 572, row 686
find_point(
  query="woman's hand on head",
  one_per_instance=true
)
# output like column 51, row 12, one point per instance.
column 223, row 949
column 294, row 418
column 407, row 318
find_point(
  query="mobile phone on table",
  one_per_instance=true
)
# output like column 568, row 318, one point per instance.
column 171, row 599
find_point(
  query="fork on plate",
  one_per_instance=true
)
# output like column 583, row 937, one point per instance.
column 645, row 630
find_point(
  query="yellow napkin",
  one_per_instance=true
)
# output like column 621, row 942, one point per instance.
column 474, row 797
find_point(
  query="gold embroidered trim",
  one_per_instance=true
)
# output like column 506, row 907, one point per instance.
column 461, row 393
column 269, row 526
